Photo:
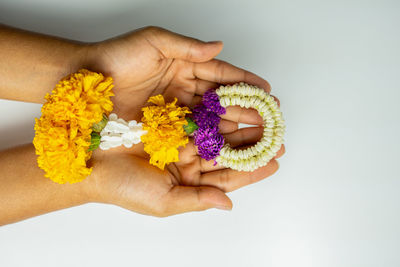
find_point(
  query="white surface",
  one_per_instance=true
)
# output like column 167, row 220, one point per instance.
column 335, row 200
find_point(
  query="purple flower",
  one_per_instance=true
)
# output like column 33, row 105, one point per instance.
column 211, row 101
column 205, row 118
column 209, row 142
column 206, row 115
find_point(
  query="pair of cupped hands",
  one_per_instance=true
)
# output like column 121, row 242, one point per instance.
column 152, row 61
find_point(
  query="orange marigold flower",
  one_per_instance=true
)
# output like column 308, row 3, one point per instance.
column 165, row 134
column 62, row 134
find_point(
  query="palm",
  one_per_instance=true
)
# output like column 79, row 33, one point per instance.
column 142, row 65
column 138, row 186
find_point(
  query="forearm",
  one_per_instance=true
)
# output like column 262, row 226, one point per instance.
column 25, row 192
column 31, row 64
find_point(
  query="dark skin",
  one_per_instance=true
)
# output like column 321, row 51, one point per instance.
column 143, row 63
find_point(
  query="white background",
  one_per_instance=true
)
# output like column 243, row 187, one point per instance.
column 335, row 200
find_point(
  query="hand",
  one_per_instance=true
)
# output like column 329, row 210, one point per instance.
column 155, row 61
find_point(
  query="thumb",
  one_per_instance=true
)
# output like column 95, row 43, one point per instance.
column 196, row 198
column 173, row 45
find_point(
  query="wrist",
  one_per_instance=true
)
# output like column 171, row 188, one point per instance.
column 80, row 57
column 91, row 57
column 93, row 188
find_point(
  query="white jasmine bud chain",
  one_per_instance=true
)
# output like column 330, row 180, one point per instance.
column 119, row 132
column 249, row 96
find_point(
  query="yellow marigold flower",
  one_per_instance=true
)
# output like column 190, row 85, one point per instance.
column 62, row 134
column 165, row 134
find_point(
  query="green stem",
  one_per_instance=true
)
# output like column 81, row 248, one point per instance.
column 190, row 127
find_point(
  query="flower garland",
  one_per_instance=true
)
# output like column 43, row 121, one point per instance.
column 76, row 120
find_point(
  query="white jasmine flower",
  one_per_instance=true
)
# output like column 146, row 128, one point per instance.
column 118, row 132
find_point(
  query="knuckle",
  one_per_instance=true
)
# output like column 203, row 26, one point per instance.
column 165, row 207
column 251, row 178
column 161, row 215
column 219, row 71
column 276, row 166
column 151, row 28
column 224, row 181
column 161, row 211
column 189, row 52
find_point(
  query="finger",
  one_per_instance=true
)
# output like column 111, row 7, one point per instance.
column 209, row 166
column 173, row 45
column 226, row 126
column 242, row 115
column 185, row 91
column 202, row 86
column 192, row 86
column 244, row 136
column 224, row 73
column 236, row 114
column 182, row 199
column 196, row 100
column 280, row 152
column 228, row 180
column 277, row 100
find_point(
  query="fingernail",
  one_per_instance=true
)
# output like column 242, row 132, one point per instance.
column 223, row 208
column 214, row 42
